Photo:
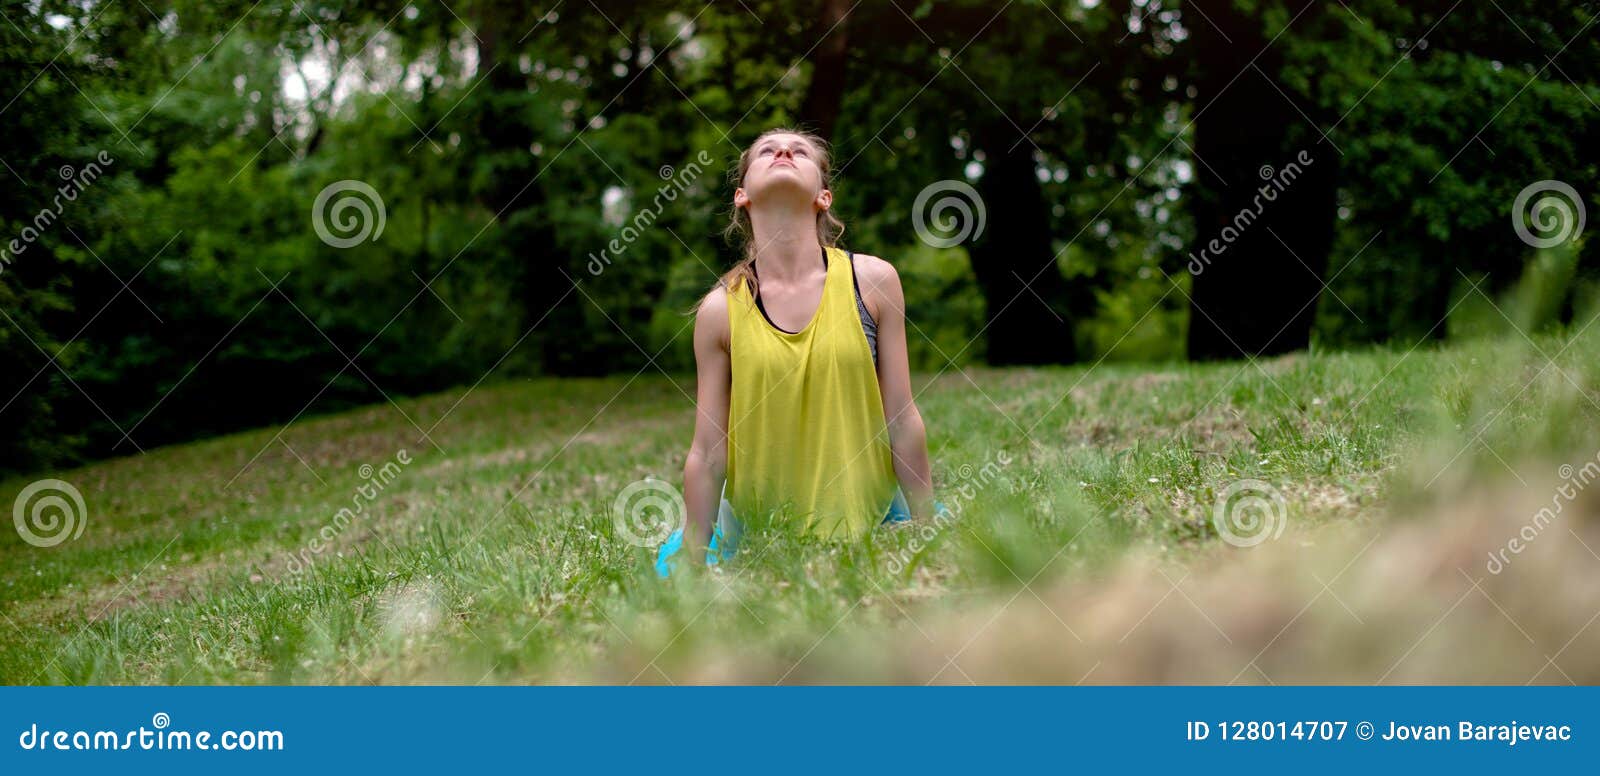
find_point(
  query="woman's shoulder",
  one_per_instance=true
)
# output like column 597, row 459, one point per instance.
column 871, row 269
column 711, row 315
column 716, row 299
column 879, row 284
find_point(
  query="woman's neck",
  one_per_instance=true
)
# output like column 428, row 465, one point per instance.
column 787, row 249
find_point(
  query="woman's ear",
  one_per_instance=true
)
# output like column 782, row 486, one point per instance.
column 824, row 199
column 740, row 199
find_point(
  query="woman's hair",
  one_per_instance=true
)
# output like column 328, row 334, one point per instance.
column 741, row 234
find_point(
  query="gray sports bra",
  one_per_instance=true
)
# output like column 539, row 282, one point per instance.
column 868, row 326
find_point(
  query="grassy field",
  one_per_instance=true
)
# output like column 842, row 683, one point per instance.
column 1086, row 546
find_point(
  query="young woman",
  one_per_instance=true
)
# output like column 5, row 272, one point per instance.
column 805, row 405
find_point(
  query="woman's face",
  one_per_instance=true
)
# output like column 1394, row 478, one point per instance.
column 783, row 166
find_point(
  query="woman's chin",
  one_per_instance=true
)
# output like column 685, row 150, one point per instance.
column 783, row 184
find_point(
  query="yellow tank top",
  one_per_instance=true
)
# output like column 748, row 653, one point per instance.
column 807, row 439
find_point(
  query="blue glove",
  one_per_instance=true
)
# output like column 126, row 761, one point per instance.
column 717, row 551
column 900, row 511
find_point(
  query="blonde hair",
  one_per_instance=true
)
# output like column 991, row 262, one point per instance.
column 741, row 234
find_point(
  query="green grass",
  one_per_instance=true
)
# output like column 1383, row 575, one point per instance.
column 492, row 556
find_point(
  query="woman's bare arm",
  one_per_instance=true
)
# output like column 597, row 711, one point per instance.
column 705, row 468
column 908, row 438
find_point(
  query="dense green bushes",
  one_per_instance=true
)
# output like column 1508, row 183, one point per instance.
column 187, row 292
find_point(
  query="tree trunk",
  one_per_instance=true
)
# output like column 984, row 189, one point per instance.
column 820, row 111
column 1266, row 207
column 1014, row 262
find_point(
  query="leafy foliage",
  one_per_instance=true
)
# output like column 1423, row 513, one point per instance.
column 185, row 293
